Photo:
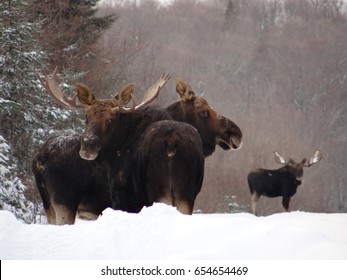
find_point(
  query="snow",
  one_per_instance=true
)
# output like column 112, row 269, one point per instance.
column 160, row 232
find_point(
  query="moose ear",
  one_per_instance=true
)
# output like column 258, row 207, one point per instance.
column 124, row 95
column 85, row 94
column 303, row 161
column 184, row 90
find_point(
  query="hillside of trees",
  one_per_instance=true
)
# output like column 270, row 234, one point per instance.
column 278, row 69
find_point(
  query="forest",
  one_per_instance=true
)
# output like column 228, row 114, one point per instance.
column 278, row 69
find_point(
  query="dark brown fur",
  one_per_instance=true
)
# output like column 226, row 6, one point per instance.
column 170, row 165
column 67, row 182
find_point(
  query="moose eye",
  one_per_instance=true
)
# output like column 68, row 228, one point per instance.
column 204, row 114
column 109, row 122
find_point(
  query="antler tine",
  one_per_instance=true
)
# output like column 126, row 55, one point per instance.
column 280, row 159
column 56, row 91
column 154, row 91
column 124, row 109
column 45, row 84
column 317, row 156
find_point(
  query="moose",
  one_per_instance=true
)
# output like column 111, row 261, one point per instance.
column 76, row 171
column 170, row 165
column 279, row 182
column 169, row 172
column 96, row 197
column 214, row 129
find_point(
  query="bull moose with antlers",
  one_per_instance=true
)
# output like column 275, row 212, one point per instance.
column 280, row 182
column 76, row 171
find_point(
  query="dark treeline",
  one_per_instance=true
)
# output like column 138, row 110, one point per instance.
column 276, row 68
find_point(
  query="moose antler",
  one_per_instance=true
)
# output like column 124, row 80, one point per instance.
column 149, row 96
column 280, row 159
column 317, row 156
column 153, row 91
column 56, row 91
column 123, row 109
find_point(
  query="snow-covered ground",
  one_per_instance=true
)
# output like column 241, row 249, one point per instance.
column 160, row 232
column 160, row 239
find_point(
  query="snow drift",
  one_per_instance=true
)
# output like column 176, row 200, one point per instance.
column 161, row 232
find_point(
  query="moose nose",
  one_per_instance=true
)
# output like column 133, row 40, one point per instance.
column 90, row 141
column 89, row 148
column 236, row 143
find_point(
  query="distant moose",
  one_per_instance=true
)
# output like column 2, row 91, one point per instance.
column 72, row 174
column 280, row 182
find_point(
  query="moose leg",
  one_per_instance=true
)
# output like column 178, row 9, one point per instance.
column 285, row 202
column 65, row 215
column 50, row 214
column 184, row 207
column 86, row 215
column 254, row 200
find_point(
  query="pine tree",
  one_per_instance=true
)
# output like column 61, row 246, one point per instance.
column 27, row 115
column 12, row 190
column 66, row 31
column 70, row 31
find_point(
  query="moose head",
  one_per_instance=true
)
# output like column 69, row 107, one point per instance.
column 297, row 168
column 214, row 128
column 101, row 114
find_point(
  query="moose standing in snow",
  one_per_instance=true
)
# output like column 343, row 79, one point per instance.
column 74, row 173
column 279, row 182
column 77, row 170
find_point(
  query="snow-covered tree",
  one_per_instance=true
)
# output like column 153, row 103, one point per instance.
column 70, row 30
column 27, row 115
column 12, row 190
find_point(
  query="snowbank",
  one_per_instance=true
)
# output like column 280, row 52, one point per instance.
column 161, row 232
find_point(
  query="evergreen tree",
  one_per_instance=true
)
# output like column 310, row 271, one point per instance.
column 27, row 115
column 66, row 31
column 12, row 190
column 19, row 57
column 70, row 31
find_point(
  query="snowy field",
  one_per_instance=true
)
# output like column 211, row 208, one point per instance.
column 304, row 245
column 160, row 232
